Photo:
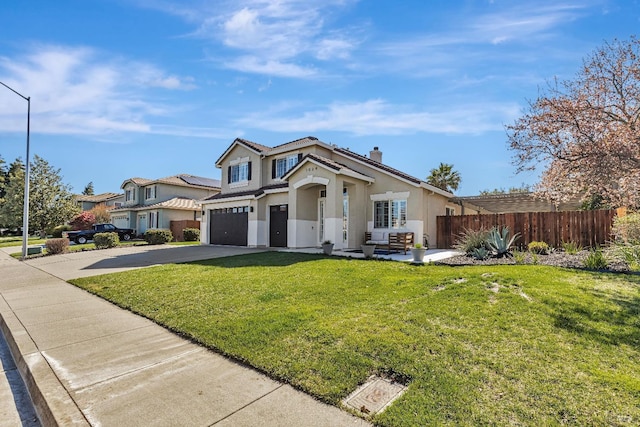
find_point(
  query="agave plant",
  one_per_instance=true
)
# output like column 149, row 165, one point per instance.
column 480, row 253
column 499, row 241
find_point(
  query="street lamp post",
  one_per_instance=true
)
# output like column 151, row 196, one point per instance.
column 25, row 213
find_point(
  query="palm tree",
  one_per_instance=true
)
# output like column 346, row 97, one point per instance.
column 444, row 177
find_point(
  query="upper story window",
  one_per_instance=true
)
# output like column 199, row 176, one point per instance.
column 238, row 173
column 450, row 211
column 130, row 195
column 390, row 214
column 150, row 192
column 280, row 166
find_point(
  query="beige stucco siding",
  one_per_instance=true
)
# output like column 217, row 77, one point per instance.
column 238, row 154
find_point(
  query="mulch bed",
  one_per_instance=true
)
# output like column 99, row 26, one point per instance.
column 555, row 258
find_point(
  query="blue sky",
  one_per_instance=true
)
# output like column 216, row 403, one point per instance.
column 153, row 88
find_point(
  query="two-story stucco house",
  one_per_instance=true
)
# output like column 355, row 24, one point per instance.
column 304, row 192
column 155, row 203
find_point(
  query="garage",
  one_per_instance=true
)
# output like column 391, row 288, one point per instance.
column 229, row 226
column 120, row 221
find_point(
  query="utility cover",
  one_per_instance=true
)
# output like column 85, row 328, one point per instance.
column 374, row 395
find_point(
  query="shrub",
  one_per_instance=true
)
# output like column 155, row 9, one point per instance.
column 158, row 236
column 595, row 260
column 629, row 254
column 191, row 234
column 57, row 246
column 480, row 253
column 626, row 229
column 83, row 221
column 57, row 231
column 470, row 240
column 499, row 241
column 571, row 248
column 541, row 248
column 519, row 257
column 101, row 214
column 106, row 240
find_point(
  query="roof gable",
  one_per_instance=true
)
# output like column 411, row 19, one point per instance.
column 253, row 146
column 329, row 164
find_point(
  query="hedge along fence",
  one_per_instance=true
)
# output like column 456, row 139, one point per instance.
column 586, row 228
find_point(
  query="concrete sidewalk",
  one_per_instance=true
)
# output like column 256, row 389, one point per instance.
column 88, row 362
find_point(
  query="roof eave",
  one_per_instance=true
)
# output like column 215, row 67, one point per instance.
column 237, row 141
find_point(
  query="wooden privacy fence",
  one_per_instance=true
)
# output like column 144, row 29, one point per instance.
column 587, row 228
column 177, row 228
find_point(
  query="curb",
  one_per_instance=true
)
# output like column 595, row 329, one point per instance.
column 52, row 402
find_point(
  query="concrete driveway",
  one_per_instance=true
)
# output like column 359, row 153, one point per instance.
column 92, row 263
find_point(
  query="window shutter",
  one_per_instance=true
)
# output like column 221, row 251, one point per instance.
column 249, row 171
column 229, row 175
column 273, row 169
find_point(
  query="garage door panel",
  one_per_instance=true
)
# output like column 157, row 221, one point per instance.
column 229, row 228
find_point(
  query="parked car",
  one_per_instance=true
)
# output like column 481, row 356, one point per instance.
column 82, row 236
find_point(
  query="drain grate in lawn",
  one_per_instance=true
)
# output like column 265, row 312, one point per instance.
column 374, row 395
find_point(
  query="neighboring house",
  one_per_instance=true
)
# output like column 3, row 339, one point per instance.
column 155, row 203
column 304, row 192
column 110, row 200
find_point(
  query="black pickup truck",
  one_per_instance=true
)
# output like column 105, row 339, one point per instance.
column 82, row 236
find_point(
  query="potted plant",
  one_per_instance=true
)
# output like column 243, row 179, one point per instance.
column 368, row 249
column 418, row 251
column 327, row 247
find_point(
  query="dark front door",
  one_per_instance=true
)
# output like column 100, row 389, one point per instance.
column 229, row 226
column 278, row 226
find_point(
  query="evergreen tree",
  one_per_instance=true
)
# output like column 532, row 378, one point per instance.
column 88, row 190
column 50, row 201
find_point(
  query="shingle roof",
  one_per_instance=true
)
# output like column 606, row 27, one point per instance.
column 338, row 167
column 254, row 193
column 378, row 165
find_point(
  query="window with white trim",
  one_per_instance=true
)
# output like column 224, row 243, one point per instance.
column 130, row 195
column 284, row 164
column 150, row 192
column 450, row 211
column 153, row 220
column 239, row 172
column 390, row 214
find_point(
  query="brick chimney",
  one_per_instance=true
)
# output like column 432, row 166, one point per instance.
column 375, row 155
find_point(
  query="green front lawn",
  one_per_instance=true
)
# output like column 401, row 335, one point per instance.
column 9, row 241
column 493, row 345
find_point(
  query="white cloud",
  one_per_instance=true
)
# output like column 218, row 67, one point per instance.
column 252, row 64
column 271, row 37
column 77, row 91
column 521, row 30
column 377, row 117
